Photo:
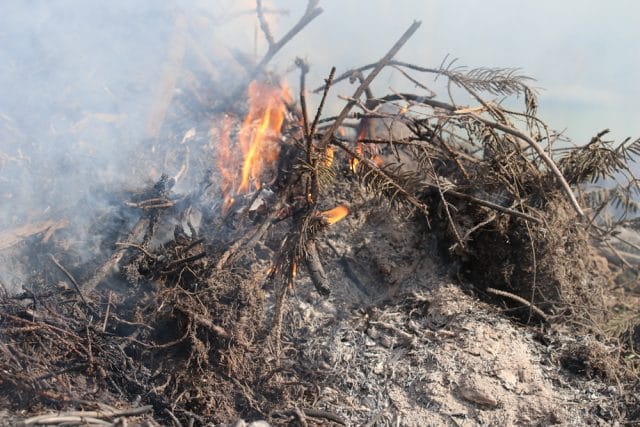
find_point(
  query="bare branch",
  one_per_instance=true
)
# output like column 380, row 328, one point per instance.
column 264, row 25
column 364, row 85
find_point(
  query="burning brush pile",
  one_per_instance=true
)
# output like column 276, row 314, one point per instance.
column 218, row 294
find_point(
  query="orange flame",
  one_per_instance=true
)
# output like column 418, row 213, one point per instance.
column 260, row 132
column 258, row 140
column 353, row 162
column 334, row 215
column 226, row 164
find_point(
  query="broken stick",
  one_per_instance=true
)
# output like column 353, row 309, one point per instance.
column 316, row 271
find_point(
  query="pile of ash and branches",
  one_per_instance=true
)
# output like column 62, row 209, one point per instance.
column 182, row 314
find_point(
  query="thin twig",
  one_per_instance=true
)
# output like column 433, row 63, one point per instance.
column 184, row 260
column 419, row 99
column 347, row 74
column 264, row 25
column 310, row 14
column 453, row 225
column 327, row 85
column 50, row 418
column 534, row 267
column 432, row 94
column 135, row 246
column 617, row 253
column 69, row 420
column 71, row 278
column 521, row 300
column 304, row 69
column 106, row 314
column 617, row 237
column 479, row 225
column 90, row 360
column 311, row 157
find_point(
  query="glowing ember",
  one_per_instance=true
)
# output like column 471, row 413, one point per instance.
column 334, row 215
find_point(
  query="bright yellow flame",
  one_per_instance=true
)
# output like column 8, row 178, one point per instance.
column 334, row 215
column 252, row 162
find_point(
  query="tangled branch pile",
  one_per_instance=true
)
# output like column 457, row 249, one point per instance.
column 193, row 326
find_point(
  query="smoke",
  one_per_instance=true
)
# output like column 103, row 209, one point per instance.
column 78, row 81
column 75, row 81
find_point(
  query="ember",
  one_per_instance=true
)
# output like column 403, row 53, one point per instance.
column 334, row 215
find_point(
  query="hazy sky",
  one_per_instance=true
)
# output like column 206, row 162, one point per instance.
column 584, row 54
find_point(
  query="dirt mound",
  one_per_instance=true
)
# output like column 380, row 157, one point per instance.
column 417, row 347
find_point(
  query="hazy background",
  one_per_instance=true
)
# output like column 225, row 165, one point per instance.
column 584, row 54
